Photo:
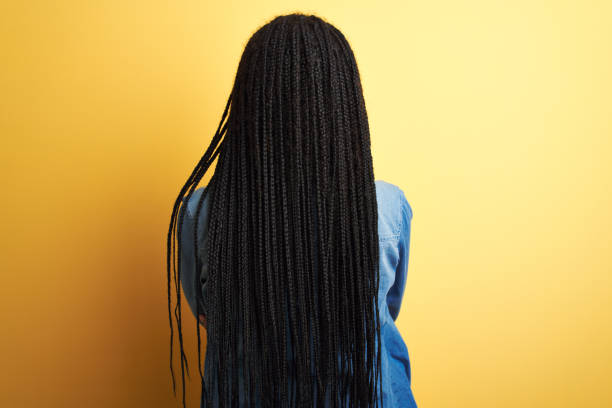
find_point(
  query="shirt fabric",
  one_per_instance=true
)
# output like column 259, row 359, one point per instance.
column 394, row 225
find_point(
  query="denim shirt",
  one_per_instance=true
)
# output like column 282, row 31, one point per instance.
column 394, row 224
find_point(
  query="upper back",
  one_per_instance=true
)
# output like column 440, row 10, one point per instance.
column 389, row 197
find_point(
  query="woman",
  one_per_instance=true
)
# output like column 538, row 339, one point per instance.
column 293, row 257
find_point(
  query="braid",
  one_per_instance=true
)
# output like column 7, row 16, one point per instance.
column 292, row 233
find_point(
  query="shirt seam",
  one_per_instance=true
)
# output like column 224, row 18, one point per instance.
column 389, row 237
column 402, row 218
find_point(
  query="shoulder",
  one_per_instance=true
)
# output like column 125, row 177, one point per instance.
column 393, row 208
column 198, row 196
column 387, row 190
column 194, row 200
column 390, row 193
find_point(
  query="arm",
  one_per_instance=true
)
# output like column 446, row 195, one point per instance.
column 396, row 292
column 187, row 260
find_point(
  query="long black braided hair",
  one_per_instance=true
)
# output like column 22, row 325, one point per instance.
column 292, row 248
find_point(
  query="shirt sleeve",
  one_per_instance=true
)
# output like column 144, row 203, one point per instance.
column 187, row 258
column 396, row 292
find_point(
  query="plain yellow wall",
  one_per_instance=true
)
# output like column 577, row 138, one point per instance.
column 493, row 117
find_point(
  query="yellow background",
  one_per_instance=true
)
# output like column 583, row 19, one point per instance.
column 493, row 117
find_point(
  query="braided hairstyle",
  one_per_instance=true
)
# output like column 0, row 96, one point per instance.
column 292, row 246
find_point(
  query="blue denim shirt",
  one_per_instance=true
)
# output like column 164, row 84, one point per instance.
column 394, row 222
